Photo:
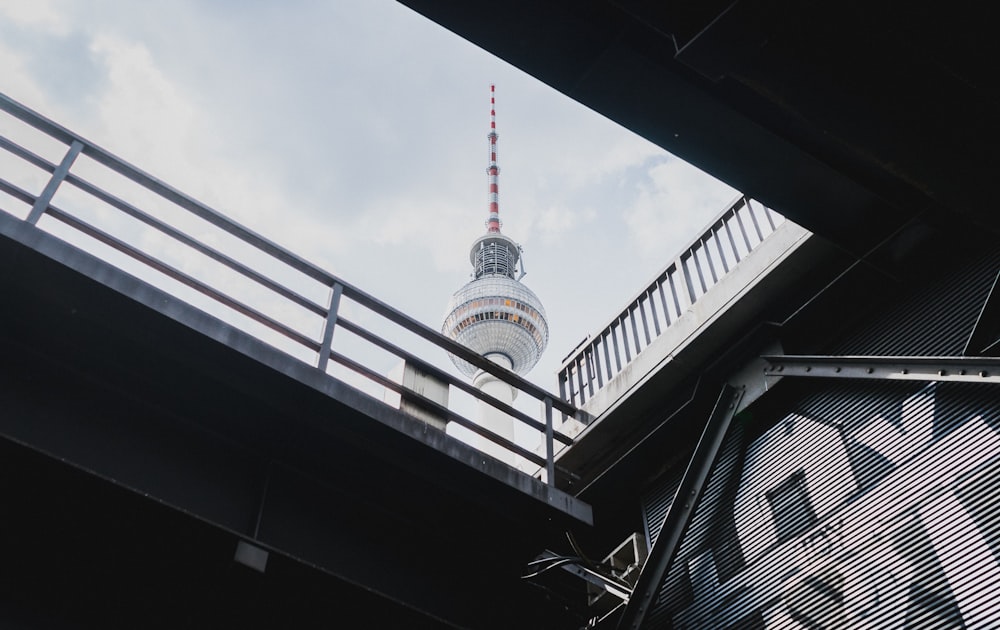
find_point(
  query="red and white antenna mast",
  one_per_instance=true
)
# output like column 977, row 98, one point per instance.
column 493, row 222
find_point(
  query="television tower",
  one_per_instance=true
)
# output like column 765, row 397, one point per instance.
column 494, row 314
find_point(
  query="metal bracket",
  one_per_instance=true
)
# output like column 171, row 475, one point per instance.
column 577, row 567
column 752, row 378
column 940, row 369
column 675, row 523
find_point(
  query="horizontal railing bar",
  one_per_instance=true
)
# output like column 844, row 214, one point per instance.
column 444, row 376
column 164, row 190
column 37, row 121
column 17, row 192
column 196, row 245
column 180, row 276
column 432, row 406
column 211, row 216
column 26, row 155
column 478, row 429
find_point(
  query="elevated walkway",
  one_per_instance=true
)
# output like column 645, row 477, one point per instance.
column 194, row 376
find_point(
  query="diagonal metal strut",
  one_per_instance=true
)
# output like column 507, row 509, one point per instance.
column 661, row 555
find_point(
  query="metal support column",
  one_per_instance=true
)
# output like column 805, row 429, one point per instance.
column 42, row 202
column 675, row 523
column 331, row 321
column 550, row 447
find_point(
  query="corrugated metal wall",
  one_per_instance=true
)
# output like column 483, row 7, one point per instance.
column 860, row 503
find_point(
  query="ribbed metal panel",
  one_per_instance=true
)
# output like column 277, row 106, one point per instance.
column 656, row 503
column 870, row 504
column 932, row 317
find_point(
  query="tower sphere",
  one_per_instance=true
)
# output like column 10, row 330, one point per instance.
column 497, row 315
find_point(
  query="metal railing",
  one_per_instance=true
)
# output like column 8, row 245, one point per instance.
column 327, row 315
column 599, row 358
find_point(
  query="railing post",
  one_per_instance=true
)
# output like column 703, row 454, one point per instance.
column 596, row 347
column 43, row 200
column 588, row 359
column 743, row 228
column 607, row 357
column 686, row 273
column 614, row 341
column 331, row 322
column 708, row 259
column 756, row 224
column 722, row 254
column 635, row 328
column 701, row 276
column 770, row 219
column 645, row 323
column 550, row 455
column 674, row 291
column 651, row 295
column 732, row 241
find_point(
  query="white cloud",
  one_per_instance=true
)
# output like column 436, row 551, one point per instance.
column 437, row 230
column 41, row 15
column 674, row 202
column 17, row 80
column 142, row 114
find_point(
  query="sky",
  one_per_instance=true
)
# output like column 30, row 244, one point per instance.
column 354, row 134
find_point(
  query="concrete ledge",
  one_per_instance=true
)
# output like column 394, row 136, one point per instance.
column 685, row 347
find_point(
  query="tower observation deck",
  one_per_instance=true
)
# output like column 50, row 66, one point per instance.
column 495, row 314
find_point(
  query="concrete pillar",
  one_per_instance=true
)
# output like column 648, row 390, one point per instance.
column 490, row 417
column 424, row 384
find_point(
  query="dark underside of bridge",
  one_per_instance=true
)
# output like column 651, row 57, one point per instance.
column 137, row 453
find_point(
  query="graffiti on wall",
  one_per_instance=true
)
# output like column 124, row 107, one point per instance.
column 826, row 543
